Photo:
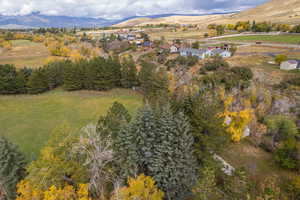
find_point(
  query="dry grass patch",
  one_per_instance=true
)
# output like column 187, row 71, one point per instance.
column 25, row 53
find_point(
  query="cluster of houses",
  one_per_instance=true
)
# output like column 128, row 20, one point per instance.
column 205, row 53
column 290, row 65
column 200, row 53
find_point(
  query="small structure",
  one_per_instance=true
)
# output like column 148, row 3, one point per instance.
column 290, row 65
column 174, row 49
column 131, row 37
column 165, row 47
column 147, row 44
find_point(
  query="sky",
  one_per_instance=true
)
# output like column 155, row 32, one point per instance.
column 113, row 9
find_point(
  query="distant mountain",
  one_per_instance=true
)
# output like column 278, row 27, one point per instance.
column 36, row 20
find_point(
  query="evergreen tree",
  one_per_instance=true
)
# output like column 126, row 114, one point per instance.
column 54, row 72
column 73, row 76
column 208, row 130
column 129, row 73
column 37, row 82
column 159, row 146
column 8, row 75
column 116, row 117
column 12, row 168
column 154, row 83
column 21, row 83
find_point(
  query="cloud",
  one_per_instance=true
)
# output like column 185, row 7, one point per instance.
column 119, row 8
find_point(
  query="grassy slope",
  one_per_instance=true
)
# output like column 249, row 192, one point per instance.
column 288, row 39
column 25, row 53
column 255, row 160
column 28, row 120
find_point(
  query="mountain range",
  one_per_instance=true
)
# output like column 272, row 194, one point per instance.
column 287, row 11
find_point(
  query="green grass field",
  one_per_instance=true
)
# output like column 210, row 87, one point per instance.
column 27, row 120
column 287, row 39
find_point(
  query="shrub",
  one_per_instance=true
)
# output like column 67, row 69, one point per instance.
column 142, row 188
column 280, row 58
column 215, row 64
column 243, row 72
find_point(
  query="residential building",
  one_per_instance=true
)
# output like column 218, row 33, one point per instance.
column 220, row 52
column 290, row 65
column 174, row 49
column 200, row 53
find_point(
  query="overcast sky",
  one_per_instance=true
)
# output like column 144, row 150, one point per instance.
column 121, row 8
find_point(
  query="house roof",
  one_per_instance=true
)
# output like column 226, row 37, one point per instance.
column 294, row 62
column 193, row 51
column 166, row 46
column 218, row 51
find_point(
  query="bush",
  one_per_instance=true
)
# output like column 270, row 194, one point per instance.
column 243, row 72
column 280, row 58
column 215, row 64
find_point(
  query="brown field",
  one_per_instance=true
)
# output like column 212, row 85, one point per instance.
column 25, row 53
column 171, row 35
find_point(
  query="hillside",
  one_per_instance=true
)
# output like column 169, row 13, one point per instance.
column 287, row 11
column 173, row 20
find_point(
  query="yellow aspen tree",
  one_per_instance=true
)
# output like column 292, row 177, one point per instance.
column 236, row 122
column 141, row 188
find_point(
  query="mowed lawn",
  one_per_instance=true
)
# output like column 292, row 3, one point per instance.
column 25, row 53
column 287, row 39
column 28, row 120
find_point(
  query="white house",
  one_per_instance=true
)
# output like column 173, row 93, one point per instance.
column 174, row 49
column 221, row 52
column 290, row 65
column 200, row 53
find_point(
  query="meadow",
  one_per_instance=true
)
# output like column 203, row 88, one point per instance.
column 287, row 39
column 28, row 120
column 25, row 53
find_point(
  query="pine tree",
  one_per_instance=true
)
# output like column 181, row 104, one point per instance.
column 129, row 73
column 116, row 117
column 7, row 79
column 73, row 76
column 12, row 168
column 160, row 146
column 154, row 83
column 37, row 82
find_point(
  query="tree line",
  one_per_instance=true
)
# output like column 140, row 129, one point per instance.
column 243, row 26
column 95, row 74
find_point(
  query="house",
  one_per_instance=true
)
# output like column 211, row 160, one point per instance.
column 174, row 49
column 147, row 44
column 131, row 37
column 220, row 52
column 290, row 65
column 200, row 53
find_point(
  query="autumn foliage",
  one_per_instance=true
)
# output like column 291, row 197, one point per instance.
column 141, row 188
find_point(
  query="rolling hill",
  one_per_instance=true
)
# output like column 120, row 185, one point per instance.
column 175, row 19
column 287, row 11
